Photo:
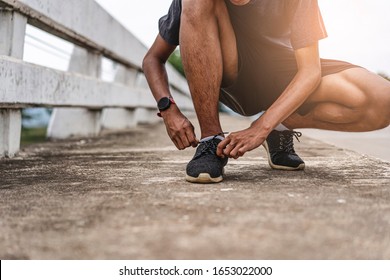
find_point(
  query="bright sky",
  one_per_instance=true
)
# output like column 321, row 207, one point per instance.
column 359, row 30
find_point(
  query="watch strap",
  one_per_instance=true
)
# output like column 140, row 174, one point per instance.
column 171, row 101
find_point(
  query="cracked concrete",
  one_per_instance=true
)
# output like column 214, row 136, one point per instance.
column 123, row 196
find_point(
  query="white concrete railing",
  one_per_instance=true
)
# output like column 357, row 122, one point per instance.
column 93, row 104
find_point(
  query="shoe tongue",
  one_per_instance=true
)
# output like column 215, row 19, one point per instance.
column 208, row 147
column 211, row 137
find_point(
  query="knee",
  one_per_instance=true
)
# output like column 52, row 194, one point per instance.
column 387, row 103
column 381, row 109
column 195, row 10
column 385, row 108
column 378, row 120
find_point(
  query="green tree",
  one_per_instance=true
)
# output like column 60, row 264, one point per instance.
column 175, row 60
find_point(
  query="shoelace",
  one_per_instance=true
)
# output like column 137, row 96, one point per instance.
column 209, row 147
column 287, row 141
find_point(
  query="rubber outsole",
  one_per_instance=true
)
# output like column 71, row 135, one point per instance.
column 280, row 167
column 204, row 178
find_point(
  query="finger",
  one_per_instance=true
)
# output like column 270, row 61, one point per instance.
column 234, row 153
column 192, row 138
column 196, row 143
column 237, row 152
column 178, row 143
column 184, row 140
column 228, row 149
column 221, row 147
column 242, row 151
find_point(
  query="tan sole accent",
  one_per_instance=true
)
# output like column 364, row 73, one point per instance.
column 280, row 167
column 204, row 178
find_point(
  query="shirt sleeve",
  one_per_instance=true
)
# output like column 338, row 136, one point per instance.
column 169, row 25
column 307, row 25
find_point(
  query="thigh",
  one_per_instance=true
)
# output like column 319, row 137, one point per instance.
column 354, row 87
column 228, row 42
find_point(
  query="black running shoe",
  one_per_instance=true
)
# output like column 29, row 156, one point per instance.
column 206, row 166
column 280, row 150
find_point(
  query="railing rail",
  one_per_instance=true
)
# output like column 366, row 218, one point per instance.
column 101, row 105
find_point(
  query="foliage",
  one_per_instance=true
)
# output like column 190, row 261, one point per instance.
column 35, row 117
column 34, row 125
column 26, row 115
column 33, row 135
column 175, row 60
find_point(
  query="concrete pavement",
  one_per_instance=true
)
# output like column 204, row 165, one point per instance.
column 123, row 196
column 373, row 143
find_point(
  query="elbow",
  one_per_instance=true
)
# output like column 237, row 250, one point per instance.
column 317, row 76
column 314, row 76
column 146, row 62
column 151, row 61
column 318, row 79
column 309, row 78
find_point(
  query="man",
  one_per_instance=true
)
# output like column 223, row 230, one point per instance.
column 256, row 55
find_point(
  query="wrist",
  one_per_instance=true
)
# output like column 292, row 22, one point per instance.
column 164, row 104
column 262, row 126
column 172, row 110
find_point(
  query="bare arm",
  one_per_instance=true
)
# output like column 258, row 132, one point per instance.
column 154, row 67
column 301, row 87
column 179, row 128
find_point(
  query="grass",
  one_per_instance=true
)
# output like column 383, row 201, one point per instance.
column 33, row 135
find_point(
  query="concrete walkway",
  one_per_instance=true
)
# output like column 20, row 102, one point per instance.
column 123, row 196
column 373, row 143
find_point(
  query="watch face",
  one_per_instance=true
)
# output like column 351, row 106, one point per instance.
column 164, row 103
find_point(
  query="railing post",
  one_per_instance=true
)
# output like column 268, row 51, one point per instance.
column 12, row 33
column 10, row 130
column 145, row 115
column 68, row 122
column 118, row 118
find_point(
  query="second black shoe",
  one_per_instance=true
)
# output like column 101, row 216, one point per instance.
column 280, row 150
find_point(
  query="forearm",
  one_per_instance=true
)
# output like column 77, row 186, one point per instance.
column 179, row 128
column 305, row 82
column 301, row 87
column 156, row 75
column 154, row 67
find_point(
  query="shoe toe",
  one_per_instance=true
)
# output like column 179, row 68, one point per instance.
column 289, row 160
column 211, row 166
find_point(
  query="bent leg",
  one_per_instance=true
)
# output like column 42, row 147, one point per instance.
column 353, row 100
column 209, row 54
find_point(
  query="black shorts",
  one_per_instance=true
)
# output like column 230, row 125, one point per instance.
column 262, row 78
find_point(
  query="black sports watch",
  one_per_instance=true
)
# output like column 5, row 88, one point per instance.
column 164, row 103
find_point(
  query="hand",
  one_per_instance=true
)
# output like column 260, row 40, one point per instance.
column 236, row 144
column 179, row 128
